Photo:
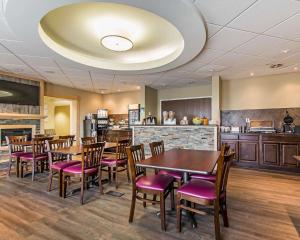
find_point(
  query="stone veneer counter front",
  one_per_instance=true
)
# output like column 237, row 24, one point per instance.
column 189, row 137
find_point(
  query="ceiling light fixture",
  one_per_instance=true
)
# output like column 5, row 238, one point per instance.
column 285, row 50
column 296, row 68
column 252, row 74
column 117, row 43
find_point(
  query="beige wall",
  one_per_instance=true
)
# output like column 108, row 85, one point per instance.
column 87, row 101
column 273, row 91
column 49, row 122
column 62, row 120
column 150, row 101
column 117, row 103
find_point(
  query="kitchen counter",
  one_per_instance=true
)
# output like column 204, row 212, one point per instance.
column 177, row 136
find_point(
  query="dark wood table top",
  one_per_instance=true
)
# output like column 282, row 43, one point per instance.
column 183, row 160
column 297, row 158
column 76, row 149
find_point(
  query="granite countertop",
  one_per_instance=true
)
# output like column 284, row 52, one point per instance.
column 267, row 134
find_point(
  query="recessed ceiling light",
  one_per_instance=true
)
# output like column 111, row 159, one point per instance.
column 277, row 65
column 119, row 90
column 117, row 43
column 252, row 74
column 285, row 50
column 138, row 87
column 49, row 71
column 296, row 68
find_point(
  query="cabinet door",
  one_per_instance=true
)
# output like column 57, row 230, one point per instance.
column 234, row 146
column 288, row 151
column 248, row 152
column 270, row 154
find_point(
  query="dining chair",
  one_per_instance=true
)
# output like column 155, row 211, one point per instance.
column 69, row 138
column 38, row 157
column 15, row 151
column 158, row 148
column 40, row 135
column 90, row 166
column 57, row 161
column 160, row 185
column 88, row 140
column 210, row 177
column 203, row 192
column 117, row 162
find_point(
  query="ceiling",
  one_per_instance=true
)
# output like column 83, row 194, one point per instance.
column 243, row 38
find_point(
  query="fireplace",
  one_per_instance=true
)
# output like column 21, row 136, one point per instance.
column 15, row 130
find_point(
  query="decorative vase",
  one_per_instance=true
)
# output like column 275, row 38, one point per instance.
column 165, row 115
column 171, row 115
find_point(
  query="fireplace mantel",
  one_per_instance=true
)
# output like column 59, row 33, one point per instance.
column 21, row 116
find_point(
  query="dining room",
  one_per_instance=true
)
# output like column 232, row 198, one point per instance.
column 174, row 119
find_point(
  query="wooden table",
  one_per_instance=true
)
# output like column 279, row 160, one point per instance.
column 297, row 158
column 185, row 161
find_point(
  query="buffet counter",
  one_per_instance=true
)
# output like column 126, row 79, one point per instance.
column 175, row 136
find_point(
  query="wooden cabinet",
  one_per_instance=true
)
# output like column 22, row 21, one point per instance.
column 272, row 151
column 288, row 151
column 270, row 154
column 248, row 152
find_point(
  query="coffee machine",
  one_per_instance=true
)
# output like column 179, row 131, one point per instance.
column 288, row 125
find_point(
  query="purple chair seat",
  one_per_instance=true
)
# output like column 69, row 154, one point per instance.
column 175, row 174
column 63, row 164
column 155, row 182
column 210, row 177
column 76, row 169
column 112, row 162
column 200, row 189
column 29, row 157
column 20, row 154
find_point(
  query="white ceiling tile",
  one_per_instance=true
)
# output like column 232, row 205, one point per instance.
column 293, row 59
column 211, row 68
column 264, row 14
column 5, row 31
column 9, row 59
column 222, row 11
column 73, row 72
column 228, row 38
column 17, row 47
column 17, row 68
column 3, row 50
column 269, row 47
column 49, row 70
column 38, row 61
column 212, row 29
column 287, row 29
column 208, row 55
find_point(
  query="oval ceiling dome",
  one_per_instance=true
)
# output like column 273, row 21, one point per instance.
column 135, row 36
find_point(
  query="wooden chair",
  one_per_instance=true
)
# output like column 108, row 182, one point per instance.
column 15, row 151
column 90, row 166
column 88, row 140
column 38, row 157
column 160, row 185
column 158, row 148
column 118, row 161
column 40, row 135
column 69, row 138
column 203, row 192
column 57, row 161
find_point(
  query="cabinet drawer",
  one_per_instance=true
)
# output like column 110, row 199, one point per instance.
column 229, row 136
column 288, row 151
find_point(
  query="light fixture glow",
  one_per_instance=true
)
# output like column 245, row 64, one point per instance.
column 252, row 74
column 5, row 94
column 116, row 43
column 285, row 50
column 296, row 68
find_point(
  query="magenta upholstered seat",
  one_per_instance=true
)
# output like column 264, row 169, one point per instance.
column 29, row 157
column 155, row 182
column 63, row 164
column 76, row 169
column 200, row 189
column 19, row 154
column 210, row 177
column 174, row 174
column 112, row 162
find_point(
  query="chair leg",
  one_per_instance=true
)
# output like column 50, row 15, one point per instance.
column 224, row 212
column 33, row 170
column 64, row 185
column 83, row 179
column 100, row 180
column 50, row 181
column 18, row 167
column 144, row 203
column 116, row 172
column 109, row 174
column 178, row 213
column 22, row 169
column 133, row 200
column 9, row 166
column 60, row 182
column 154, row 199
column 217, row 220
column 172, row 199
column 162, row 211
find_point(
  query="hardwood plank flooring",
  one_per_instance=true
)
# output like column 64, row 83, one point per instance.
column 262, row 205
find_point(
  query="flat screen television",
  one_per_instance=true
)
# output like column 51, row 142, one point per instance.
column 18, row 93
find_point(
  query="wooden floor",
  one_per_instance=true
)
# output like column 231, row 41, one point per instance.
column 261, row 206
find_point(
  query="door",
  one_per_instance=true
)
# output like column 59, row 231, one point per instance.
column 288, row 153
column 248, row 152
column 271, row 154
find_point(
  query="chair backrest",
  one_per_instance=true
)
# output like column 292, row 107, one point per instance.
column 157, row 148
column 92, row 155
column 69, row 138
column 14, row 139
column 224, row 163
column 135, row 155
column 121, row 153
column 54, row 145
column 39, row 146
column 88, row 140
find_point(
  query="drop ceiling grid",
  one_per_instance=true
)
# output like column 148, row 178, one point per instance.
column 221, row 17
